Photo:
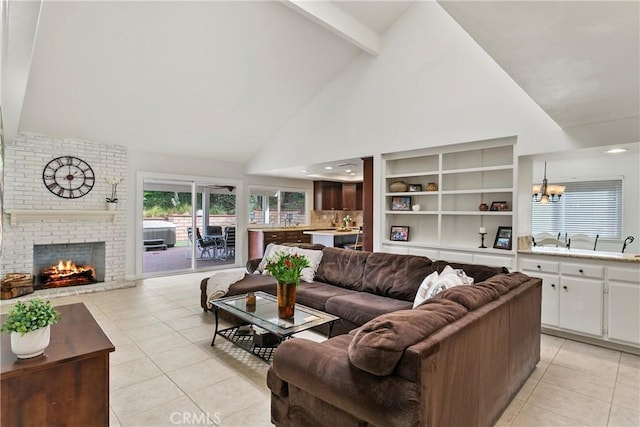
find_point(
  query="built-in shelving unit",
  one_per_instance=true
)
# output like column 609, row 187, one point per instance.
column 448, row 219
column 33, row 214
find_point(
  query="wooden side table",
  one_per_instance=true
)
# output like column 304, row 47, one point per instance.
column 68, row 385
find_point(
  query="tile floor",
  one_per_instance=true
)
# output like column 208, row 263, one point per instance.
column 164, row 372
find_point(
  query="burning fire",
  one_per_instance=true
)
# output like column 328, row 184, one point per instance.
column 67, row 269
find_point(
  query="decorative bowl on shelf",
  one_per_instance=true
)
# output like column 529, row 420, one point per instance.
column 398, row 186
column 483, row 207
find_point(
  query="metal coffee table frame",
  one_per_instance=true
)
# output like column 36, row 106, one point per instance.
column 265, row 316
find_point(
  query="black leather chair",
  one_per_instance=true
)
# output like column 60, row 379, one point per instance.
column 230, row 240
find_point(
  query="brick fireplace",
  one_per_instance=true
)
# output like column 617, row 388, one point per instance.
column 33, row 216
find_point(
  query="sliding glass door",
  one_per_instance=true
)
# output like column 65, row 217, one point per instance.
column 187, row 226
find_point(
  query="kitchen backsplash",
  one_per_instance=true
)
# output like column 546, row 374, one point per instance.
column 334, row 218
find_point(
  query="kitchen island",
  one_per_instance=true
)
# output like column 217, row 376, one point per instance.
column 336, row 238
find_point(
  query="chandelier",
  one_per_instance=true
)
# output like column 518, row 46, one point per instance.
column 546, row 193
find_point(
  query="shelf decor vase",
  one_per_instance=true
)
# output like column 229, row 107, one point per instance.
column 286, row 293
column 398, row 186
column 31, row 344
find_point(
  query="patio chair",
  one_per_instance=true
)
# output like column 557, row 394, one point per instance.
column 230, row 240
column 206, row 245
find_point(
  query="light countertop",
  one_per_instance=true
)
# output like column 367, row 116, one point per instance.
column 336, row 232
column 298, row 228
column 583, row 254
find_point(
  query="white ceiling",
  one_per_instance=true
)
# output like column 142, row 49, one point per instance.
column 578, row 60
column 218, row 79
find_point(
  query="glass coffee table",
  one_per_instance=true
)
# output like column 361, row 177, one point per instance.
column 262, row 330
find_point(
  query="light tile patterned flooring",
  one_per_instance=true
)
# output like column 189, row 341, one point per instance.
column 164, row 372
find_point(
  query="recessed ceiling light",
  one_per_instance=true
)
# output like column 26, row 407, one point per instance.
column 348, row 170
column 353, row 174
column 328, row 167
column 616, row 150
column 303, row 171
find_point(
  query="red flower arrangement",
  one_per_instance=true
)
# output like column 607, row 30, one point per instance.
column 286, row 267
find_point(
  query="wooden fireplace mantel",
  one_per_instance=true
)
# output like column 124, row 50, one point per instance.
column 15, row 215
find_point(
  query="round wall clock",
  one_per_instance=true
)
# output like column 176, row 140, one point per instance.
column 68, row 177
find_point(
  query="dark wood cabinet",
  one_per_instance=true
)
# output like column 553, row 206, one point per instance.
column 352, row 196
column 68, row 385
column 330, row 195
column 260, row 239
column 327, row 195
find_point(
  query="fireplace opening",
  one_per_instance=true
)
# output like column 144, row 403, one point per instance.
column 69, row 264
column 67, row 273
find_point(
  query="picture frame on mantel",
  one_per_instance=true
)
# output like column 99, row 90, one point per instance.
column 503, row 238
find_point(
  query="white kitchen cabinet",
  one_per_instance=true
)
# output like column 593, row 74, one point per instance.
column 550, row 299
column 624, row 305
column 581, row 305
column 592, row 298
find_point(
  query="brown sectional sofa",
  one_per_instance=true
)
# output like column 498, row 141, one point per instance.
column 453, row 364
column 456, row 360
column 357, row 286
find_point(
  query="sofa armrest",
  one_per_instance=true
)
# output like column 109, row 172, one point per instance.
column 325, row 372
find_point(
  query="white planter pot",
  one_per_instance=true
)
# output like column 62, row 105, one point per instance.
column 30, row 344
column 111, row 206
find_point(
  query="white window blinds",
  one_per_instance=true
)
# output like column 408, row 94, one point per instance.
column 589, row 207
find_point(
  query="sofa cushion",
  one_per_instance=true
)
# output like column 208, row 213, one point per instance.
column 378, row 345
column 450, row 309
column 361, row 307
column 395, row 276
column 342, row 267
column 471, row 297
column 316, row 294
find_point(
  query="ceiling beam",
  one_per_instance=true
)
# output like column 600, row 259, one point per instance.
column 338, row 22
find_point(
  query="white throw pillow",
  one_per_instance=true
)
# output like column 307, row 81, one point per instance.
column 423, row 290
column 308, row 273
column 449, row 278
column 270, row 251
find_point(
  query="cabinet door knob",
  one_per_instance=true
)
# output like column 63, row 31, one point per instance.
column 581, row 271
column 565, row 288
column 538, row 267
column 553, row 285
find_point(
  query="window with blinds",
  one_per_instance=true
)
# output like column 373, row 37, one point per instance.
column 589, row 207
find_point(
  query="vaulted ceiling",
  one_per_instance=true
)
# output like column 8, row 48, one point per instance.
column 218, row 79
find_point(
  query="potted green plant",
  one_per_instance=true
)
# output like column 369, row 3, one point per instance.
column 286, row 269
column 30, row 327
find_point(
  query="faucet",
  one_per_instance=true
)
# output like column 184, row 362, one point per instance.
column 629, row 239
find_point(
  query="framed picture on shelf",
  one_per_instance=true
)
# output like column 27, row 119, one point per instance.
column 415, row 187
column 499, row 206
column 401, row 203
column 399, row 233
column 503, row 238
